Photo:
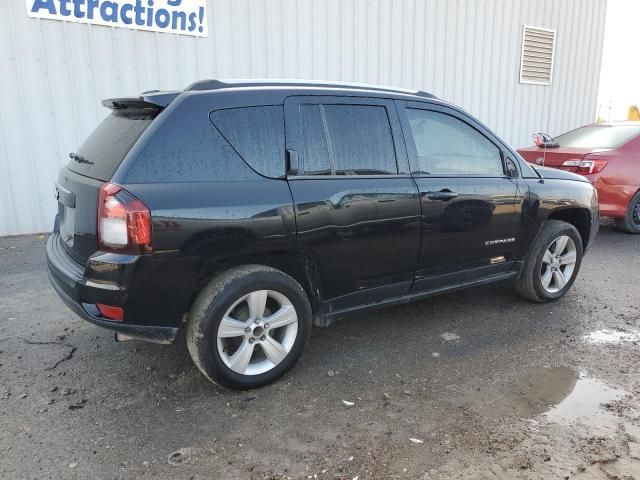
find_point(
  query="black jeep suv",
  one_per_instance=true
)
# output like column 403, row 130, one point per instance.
column 248, row 211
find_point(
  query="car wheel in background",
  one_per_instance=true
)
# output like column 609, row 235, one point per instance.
column 631, row 222
column 552, row 264
column 248, row 326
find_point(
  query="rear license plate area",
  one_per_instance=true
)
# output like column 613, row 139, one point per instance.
column 66, row 214
column 67, row 223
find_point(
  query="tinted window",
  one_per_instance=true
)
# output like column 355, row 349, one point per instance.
column 598, row 136
column 448, row 146
column 314, row 154
column 187, row 149
column 360, row 140
column 257, row 134
column 103, row 151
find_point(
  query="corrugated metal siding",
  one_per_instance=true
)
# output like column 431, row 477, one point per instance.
column 54, row 74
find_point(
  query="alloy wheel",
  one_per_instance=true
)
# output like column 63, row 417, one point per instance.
column 558, row 264
column 257, row 332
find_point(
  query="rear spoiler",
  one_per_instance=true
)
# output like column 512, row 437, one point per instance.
column 154, row 100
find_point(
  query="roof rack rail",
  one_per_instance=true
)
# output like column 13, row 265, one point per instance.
column 214, row 84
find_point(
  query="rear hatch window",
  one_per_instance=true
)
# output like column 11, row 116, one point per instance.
column 103, row 151
column 92, row 164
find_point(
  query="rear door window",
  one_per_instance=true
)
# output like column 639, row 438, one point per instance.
column 360, row 140
column 103, row 151
column 344, row 139
column 315, row 151
column 257, row 134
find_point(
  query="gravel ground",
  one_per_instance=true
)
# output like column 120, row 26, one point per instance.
column 476, row 384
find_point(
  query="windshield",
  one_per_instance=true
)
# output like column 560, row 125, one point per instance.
column 598, row 136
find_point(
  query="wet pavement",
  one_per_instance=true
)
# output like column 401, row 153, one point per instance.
column 476, row 384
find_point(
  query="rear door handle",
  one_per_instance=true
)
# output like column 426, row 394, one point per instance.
column 443, row 195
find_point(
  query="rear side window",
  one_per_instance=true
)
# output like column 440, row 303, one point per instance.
column 257, row 134
column 103, row 151
column 187, row 148
column 347, row 140
column 445, row 145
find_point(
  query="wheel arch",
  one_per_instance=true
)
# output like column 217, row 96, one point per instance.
column 579, row 217
column 300, row 266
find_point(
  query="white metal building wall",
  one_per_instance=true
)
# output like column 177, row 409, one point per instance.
column 54, row 74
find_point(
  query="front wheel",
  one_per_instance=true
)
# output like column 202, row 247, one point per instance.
column 552, row 264
column 248, row 327
column 631, row 222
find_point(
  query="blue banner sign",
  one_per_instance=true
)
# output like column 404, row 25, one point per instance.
column 185, row 17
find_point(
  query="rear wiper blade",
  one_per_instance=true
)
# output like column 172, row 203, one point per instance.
column 79, row 158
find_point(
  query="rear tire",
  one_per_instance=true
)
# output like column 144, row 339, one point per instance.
column 552, row 264
column 631, row 222
column 248, row 326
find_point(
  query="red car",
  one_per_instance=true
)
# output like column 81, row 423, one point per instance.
column 608, row 154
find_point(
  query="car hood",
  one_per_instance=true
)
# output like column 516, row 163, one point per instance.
column 555, row 174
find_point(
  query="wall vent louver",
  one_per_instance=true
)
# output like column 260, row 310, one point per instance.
column 538, row 49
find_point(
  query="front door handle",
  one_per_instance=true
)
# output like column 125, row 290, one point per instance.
column 444, row 195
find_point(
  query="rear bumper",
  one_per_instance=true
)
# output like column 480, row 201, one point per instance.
column 81, row 294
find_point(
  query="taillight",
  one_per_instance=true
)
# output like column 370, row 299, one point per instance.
column 571, row 163
column 124, row 222
column 589, row 167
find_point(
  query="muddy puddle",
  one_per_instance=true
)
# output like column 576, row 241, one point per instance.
column 561, row 395
column 591, row 402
